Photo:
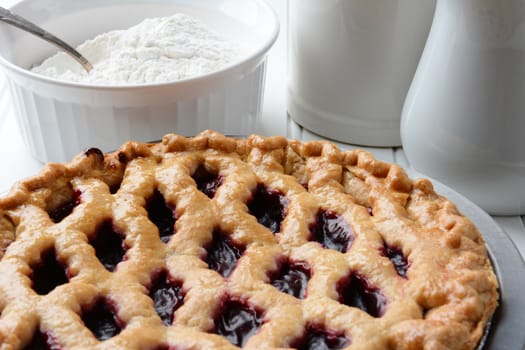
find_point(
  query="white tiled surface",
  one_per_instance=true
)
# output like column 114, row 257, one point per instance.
column 17, row 162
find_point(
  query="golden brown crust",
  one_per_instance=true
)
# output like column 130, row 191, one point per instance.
column 444, row 303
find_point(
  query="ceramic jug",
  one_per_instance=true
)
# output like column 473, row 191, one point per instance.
column 350, row 64
column 463, row 120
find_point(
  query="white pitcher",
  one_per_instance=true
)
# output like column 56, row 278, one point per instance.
column 463, row 120
column 350, row 64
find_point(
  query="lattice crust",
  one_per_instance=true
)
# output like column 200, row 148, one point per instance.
column 441, row 300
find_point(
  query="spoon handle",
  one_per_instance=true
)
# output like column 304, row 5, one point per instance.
column 20, row 22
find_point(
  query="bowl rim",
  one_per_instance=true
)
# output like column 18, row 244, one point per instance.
column 256, row 55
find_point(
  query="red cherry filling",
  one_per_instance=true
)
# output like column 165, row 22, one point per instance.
column 109, row 246
column 206, row 181
column 99, row 155
column 357, row 292
column 162, row 347
column 94, row 152
column 317, row 338
column 167, row 297
column 332, row 231
column 291, row 278
column 42, row 341
column 58, row 214
column 237, row 322
column 101, row 319
column 269, row 207
column 397, row 258
column 222, row 254
column 168, row 347
column 161, row 215
column 48, row 274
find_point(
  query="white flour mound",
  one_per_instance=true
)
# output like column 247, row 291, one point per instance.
column 164, row 49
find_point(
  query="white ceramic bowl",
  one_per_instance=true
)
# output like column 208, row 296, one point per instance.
column 59, row 119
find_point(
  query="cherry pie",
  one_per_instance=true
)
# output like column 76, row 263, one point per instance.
column 217, row 243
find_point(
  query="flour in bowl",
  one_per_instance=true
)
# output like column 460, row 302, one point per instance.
column 163, row 49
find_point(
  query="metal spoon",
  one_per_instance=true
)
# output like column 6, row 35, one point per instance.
column 22, row 23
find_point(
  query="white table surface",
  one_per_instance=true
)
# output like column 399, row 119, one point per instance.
column 17, row 162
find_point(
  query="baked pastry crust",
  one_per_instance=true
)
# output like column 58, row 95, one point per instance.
column 444, row 301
